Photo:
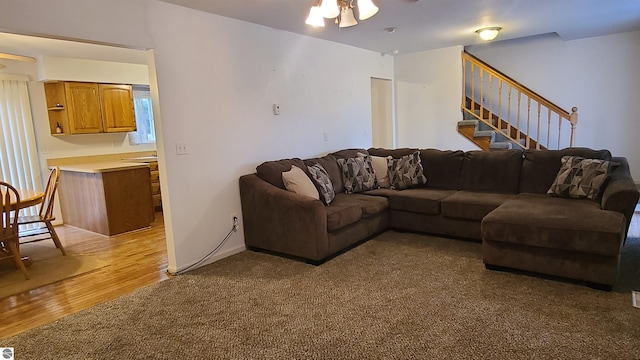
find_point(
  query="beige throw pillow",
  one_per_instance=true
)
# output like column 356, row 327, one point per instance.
column 297, row 181
column 380, row 168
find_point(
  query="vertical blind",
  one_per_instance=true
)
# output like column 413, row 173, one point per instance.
column 18, row 151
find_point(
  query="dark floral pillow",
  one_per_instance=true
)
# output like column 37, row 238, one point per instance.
column 581, row 178
column 358, row 174
column 406, row 172
column 323, row 183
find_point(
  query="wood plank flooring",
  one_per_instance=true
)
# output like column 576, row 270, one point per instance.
column 137, row 259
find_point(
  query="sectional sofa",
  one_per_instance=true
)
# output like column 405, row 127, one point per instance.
column 500, row 198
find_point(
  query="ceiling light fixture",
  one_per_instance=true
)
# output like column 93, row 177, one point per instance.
column 342, row 11
column 488, row 33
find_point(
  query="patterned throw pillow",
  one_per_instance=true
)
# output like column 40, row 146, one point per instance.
column 406, row 172
column 358, row 174
column 579, row 177
column 323, row 183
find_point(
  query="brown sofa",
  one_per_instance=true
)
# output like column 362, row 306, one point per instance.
column 496, row 197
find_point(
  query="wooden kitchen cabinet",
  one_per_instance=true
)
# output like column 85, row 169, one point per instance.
column 117, row 108
column 89, row 108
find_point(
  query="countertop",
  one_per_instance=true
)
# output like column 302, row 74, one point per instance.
column 144, row 159
column 100, row 167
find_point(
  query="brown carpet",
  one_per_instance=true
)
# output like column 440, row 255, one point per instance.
column 400, row 295
column 48, row 266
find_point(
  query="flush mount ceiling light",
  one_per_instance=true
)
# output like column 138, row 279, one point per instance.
column 342, row 11
column 488, row 33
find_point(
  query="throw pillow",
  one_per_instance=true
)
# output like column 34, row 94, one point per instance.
column 406, row 172
column 579, row 177
column 380, row 169
column 358, row 174
column 323, row 183
column 297, row 181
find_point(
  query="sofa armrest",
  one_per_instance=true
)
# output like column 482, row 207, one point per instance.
column 620, row 193
column 282, row 221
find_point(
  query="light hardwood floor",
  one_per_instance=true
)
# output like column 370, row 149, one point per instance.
column 137, row 259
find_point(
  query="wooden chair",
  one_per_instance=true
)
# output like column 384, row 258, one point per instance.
column 9, row 241
column 45, row 216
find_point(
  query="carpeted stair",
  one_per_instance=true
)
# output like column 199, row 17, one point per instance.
column 483, row 135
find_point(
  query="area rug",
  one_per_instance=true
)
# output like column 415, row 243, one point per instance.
column 48, row 266
column 397, row 296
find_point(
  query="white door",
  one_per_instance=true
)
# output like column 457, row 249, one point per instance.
column 381, row 113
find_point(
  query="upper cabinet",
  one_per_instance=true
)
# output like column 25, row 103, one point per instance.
column 117, row 108
column 89, row 108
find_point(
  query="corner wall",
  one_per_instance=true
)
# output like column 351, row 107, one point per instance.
column 217, row 79
column 428, row 94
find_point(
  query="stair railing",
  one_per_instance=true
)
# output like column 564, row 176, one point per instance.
column 521, row 115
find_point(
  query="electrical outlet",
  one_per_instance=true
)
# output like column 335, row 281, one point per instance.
column 235, row 221
column 276, row 109
column 181, row 149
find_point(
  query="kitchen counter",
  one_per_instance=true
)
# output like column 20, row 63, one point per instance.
column 107, row 197
column 104, row 166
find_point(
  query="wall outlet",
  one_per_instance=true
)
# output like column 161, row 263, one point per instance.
column 276, row 109
column 326, row 136
column 235, row 221
column 181, row 149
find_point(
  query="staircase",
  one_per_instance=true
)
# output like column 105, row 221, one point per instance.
column 500, row 113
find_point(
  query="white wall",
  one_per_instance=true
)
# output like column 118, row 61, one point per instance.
column 428, row 96
column 216, row 81
column 599, row 75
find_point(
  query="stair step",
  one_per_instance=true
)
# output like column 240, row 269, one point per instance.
column 501, row 145
column 469, row 122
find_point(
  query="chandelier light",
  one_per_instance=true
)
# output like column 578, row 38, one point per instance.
column 341, row 11
column 489, row 33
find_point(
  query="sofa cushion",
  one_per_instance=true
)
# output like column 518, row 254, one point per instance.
column 322, row 182
column 342, row 213
column 472, row 205
column 271, row 171
column 394, row 153
column 491, row 171
column 442, row 167
column 297, row 181
column 330, row 164
column 370, row 205
column 358, row 174
column 381, row 192
column 348, row 153
column 540, row 167
column 580, row 178
column 557, row 223
column 406, row 172
column 419, row 200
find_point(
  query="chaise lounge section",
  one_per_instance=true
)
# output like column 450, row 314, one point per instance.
column 499, row 198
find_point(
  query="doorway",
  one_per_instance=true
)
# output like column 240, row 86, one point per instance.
column 382, row 125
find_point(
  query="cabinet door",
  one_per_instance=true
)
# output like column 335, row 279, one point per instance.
column 83, row 104
column 117, row 108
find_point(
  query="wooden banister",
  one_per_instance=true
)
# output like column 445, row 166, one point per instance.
column 517, row 120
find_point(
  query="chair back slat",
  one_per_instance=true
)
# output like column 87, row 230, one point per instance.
column 46, row 209
column 9, row 212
